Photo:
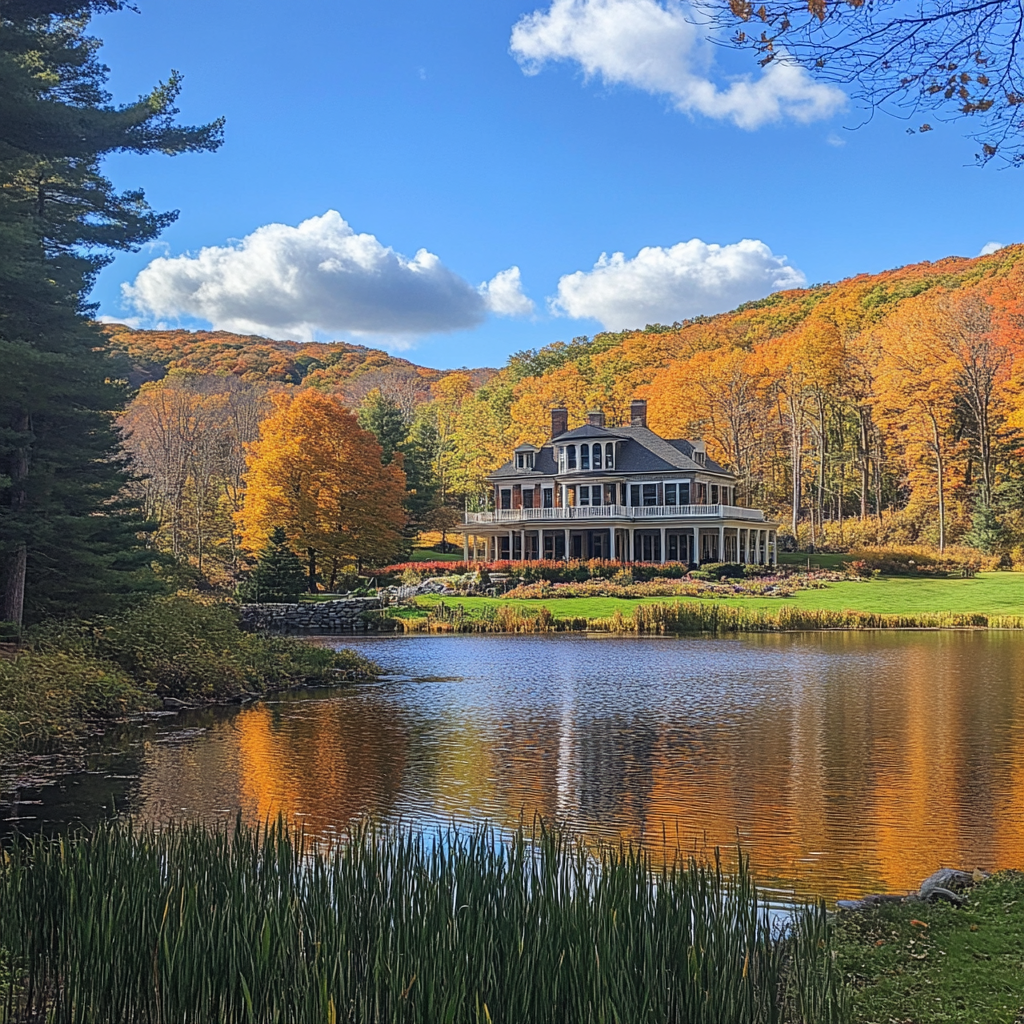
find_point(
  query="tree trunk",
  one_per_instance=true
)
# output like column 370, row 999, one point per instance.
column 940, row 472
column 13, row 607
column 311, row 552
column 797, row 462
column 865, row 464
column 13, row 596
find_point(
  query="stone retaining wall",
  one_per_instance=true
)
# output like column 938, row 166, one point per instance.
column 341, row 616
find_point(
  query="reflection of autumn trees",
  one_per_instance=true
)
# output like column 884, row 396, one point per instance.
column 830, row 775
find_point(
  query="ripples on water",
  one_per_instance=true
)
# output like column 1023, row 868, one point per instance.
column 842, row 762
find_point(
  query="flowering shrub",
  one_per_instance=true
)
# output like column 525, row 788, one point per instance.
column 920, row 561
column 783, row 584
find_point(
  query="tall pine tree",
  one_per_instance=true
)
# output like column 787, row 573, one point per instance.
column 68, row 541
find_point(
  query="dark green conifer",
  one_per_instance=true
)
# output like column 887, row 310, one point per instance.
column 68, row 541
column 383, row 418
column 278, row 575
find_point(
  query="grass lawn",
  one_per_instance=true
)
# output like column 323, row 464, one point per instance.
column 993, row 593
column 926, row 963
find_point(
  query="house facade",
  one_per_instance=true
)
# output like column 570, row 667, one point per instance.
column 619, row 493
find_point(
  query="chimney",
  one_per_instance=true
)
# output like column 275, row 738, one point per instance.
column 638, row 412
column 559, row 421
column 595, row 418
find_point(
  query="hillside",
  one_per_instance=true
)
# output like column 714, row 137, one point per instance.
column 353, row 370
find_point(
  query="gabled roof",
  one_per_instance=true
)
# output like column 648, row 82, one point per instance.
column 640, row 451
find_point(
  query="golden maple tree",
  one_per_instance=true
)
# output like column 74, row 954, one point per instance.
column 315, row 472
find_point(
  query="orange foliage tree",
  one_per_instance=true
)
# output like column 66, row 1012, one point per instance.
column 318, row 474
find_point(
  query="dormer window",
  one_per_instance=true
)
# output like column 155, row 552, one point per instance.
column 524, row 459
column 597, row 456
column 609, row 456
column 700, row 458
column 584, row 456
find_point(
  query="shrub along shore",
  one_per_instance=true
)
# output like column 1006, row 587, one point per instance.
column 196, row 924
column 69, row 677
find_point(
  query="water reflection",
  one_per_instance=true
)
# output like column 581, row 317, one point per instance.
column 843, row 763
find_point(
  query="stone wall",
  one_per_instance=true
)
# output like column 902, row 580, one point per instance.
column 341, row 616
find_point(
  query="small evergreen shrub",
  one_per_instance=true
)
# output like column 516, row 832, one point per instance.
column 278, row 575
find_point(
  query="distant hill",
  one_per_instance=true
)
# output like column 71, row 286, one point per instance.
column 352, row 370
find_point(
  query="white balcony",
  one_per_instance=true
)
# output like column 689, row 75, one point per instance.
column 595, row 513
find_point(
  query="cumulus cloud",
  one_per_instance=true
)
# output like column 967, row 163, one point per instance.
column 655, row 46
column 662, row 285
column 292, row 282
column 503, row 294
column 990, row 247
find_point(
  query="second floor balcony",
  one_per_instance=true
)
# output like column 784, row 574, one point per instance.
column 629, row 513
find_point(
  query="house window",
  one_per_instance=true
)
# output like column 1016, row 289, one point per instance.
column 650, row 494
column 622, row 493
column 609, row 456
column 684, row 493
column 561, row 459
column 506, row 498
column 584, row 495
column 571, row 450
column 548, row 494
column 597, row 456
column 714, row 494
column 584, row 456
column 670, row 494
column 527, row 497
column 595, row 494
column 634, row 494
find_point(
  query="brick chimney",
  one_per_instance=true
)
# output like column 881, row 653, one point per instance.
column 559, row 421
column 595, row 418
column 638, row 412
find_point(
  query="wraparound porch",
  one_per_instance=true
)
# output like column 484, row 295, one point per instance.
column 692, row 544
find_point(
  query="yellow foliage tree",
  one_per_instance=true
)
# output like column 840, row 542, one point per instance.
column 318, row 474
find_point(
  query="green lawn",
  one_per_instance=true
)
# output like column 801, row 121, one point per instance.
column 992, row 593
column 935, row 964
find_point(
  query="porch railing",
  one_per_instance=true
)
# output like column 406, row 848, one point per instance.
column 629, row 512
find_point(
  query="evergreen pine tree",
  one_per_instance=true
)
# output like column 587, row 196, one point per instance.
column 985, row 531
column 68, row 542
column 278, row 575
column 383, row 418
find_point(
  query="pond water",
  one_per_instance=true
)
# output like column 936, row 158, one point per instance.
column 843, row 763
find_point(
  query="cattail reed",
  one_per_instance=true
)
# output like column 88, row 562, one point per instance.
column 197, row 924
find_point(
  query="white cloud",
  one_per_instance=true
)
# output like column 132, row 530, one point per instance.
column 990, row 247
column 662, row 285
column 504, row 294
column 122, row 321
column 655, row 46
column 292, row 282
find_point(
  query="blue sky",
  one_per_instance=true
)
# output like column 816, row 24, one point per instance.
column 417, row 125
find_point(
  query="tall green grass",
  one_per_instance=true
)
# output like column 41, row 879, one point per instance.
column 261, row 925
column 677, row 617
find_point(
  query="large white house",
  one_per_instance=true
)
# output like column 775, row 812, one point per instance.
column 617, row 493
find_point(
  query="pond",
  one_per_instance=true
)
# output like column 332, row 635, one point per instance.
column 843, row 763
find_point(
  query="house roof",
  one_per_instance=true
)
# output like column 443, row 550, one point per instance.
column 640, row 451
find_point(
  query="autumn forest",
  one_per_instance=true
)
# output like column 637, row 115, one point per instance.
column 883, row 409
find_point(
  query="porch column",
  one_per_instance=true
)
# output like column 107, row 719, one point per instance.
column 632, row 546
column 567, row 552
column 775, row 548
column 511, row 549
column 721, row 543
column 522, row 545
column 663, row 545
column 611, row 543
column 762, row 546
column 696, row 544
column 465, row 547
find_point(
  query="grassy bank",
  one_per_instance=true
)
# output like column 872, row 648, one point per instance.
column 69, row 676
column 194, row 925
column 660, row 617
column 938, row 964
